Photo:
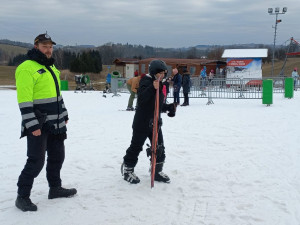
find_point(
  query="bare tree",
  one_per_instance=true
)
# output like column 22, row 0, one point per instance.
column 215, row 53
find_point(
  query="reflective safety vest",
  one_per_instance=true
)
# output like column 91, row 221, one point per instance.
column 39, row 98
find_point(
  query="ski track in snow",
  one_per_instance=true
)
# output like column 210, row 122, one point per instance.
column 235, row 162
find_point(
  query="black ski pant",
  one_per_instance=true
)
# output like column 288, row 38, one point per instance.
column 176, row 97
column 186, row 98
column 136, row 146
column 37, row 146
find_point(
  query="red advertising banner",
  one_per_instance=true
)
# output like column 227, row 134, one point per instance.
column 239, row 62
column 293, row 53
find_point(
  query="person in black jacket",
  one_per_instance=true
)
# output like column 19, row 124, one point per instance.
column 186, row 84
column 142, row 123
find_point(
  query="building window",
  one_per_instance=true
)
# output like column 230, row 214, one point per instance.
column 192, row 70
column 143, row 68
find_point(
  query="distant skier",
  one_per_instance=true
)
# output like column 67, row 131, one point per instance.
column 203, row 72
column 186, row 85
column 108, row 83
column 177, row 80
column 295, row 75
column 211, row 76
column 132, row 86
column 142, row 121
column 203, row 76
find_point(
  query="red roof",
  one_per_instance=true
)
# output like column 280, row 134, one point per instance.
column 183, row 61
column 126, row 61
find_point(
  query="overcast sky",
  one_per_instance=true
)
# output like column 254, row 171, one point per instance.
column 158, row 23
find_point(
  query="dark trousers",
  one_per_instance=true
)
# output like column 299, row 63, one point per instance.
column 186, row 98
column 131, row 97
column 176, row 97
column 136, row 146
column 36, row 150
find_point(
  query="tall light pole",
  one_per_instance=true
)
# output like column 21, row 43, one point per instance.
column 276, row 12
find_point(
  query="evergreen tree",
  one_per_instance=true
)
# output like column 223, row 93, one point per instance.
column 88, row 61
column 17, row 60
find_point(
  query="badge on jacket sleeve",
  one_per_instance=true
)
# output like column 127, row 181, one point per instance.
column 41, row 71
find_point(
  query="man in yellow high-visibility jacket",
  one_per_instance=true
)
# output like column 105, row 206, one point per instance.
column 44, row 119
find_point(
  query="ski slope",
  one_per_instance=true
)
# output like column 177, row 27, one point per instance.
column 236, row 162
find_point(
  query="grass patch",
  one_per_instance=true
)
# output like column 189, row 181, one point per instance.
column 12, row 50
column 291, row 63
column 7, row 75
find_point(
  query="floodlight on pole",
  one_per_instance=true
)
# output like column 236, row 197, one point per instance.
column 284, row 10
column 276, row 12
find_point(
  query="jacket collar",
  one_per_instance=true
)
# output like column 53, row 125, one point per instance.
column 36, row 55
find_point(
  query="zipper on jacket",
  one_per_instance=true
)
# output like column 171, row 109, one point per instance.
column 57, row 94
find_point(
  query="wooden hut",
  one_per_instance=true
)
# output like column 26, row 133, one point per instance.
column 194, row 66
column 126, row 67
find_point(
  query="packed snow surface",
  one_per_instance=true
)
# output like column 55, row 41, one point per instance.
column 235, row 162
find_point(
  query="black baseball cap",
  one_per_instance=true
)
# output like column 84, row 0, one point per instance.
column 43, row 38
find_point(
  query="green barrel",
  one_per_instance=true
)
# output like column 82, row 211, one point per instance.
column 289, row 87
column 116, row 74
column 64, row 86
column 267, row 95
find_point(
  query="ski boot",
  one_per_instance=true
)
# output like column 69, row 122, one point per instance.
column 129, row 175
column 159, row 175
column 130, row 109
column 25, row 204
column 60, row 192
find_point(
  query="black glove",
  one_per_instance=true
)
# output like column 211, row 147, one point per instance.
column 172, row 109
column 159, row 150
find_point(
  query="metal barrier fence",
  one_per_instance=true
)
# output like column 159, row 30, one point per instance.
column 225, row 88
column 118, row 85
column 222, row 88
column 246, row 88
column 278, row 84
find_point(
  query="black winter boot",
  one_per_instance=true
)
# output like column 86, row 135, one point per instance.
column 25, row 204
column 159, row 175
column 60, row 192
column 129, row 175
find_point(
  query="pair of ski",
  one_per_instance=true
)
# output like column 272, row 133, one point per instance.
column 155, row 135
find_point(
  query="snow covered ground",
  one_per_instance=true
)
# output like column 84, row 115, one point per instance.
column 236, row 162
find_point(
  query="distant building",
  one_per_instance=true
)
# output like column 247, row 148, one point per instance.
column 126, row 67
column 194, row 66
column 244, row 63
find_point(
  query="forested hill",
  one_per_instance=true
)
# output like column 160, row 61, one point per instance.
column 16, row 43
column 110, row 51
